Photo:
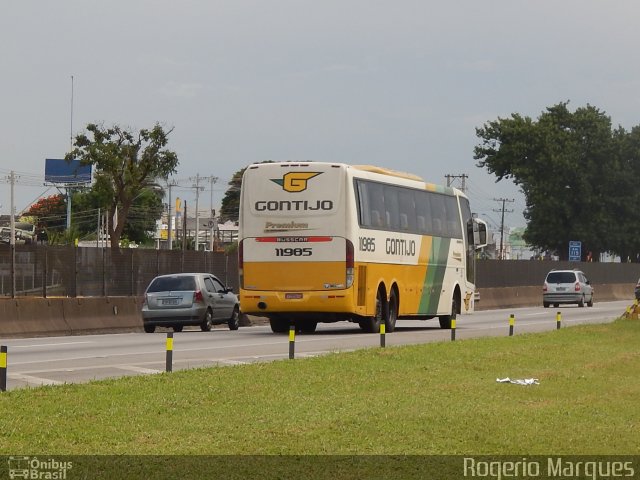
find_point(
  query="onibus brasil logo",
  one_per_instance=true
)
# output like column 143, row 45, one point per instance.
column 35, row 468
column 295, row 181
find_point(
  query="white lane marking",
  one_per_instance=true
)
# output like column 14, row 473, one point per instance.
column 36, row 345
column 133, row 368
column 31, row 380
column 225, row 361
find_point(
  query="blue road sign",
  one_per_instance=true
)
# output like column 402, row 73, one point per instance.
column 575, row 251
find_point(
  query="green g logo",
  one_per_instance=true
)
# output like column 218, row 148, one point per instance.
column 295, row 181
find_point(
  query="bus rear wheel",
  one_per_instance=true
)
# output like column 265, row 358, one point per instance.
column 306, row 326
column 279, row 325
column 392, row 316
column 372, row 324
column 445, row 320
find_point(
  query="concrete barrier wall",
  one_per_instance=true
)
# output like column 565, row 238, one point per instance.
column 68, row 316
column 88, row 314
column 511, row 297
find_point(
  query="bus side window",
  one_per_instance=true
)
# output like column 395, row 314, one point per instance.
column 376, row 219
column 422, row 224
column 404, row 222
column 437, row 227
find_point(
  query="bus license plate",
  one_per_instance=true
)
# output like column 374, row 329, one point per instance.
column 293, row 296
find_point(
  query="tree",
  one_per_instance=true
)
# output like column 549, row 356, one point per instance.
column 125, row 165
column 568, row 165
column 49, row 214
column 230, row 207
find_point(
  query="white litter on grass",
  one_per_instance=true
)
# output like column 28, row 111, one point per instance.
column 520, row 381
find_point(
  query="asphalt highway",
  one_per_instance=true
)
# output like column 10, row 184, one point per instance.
column 72, row 359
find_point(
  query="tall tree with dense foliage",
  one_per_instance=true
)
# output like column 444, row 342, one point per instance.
column 230, row 207
column 573, row 170
column 126, row 165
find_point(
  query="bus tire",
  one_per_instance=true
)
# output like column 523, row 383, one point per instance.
column 445, row 320
column 392, row 316
column 279, row 325
column 372, row 324
column 308, row 326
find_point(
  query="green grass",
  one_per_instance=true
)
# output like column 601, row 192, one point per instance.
column 439, row 398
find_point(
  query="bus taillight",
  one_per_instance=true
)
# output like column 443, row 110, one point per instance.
column 349, row 263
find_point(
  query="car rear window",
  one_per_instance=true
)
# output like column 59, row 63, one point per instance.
column 561, row 277
column 165, row 284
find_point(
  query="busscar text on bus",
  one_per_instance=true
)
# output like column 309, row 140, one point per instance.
column 325, row 242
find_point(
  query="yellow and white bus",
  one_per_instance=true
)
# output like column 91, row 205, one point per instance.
column 324, row 242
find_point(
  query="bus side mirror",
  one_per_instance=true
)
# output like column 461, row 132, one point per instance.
column 480, row 234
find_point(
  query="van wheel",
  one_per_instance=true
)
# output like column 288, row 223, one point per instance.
column 390, row 322
column 372, row 324
column 445, row 320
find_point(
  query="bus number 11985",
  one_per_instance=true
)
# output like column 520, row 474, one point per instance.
column 294, row 252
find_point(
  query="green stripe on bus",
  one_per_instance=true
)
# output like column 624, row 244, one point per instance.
column 435, row 275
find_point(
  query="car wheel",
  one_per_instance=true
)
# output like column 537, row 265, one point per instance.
column 581, row 302
column 177, row 328
column 207, row 323
column 556, row 305
column 545, row 304
column 590, row 302
column 372, row 324
column 445, row 320
column 149, row 328
column 279, row 325
column 234, row 321
column 392, row 317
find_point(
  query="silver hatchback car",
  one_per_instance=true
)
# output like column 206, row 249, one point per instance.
column 566, row 286
column 183, row 299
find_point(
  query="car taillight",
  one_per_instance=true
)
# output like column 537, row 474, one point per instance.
column 545, row 287
column 349, row 263
column 197, row 297
column 577, row 286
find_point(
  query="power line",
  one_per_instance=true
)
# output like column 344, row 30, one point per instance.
column 463, row 177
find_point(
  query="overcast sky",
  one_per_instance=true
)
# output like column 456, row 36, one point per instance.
column 400, row 83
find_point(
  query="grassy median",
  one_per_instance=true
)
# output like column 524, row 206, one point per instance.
column 438, row 398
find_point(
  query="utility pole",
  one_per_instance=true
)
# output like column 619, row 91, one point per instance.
column 503, row 200
column 212, row 212
column 198, row 188
column 12, row 240
column 463, row 177
column 169, row 214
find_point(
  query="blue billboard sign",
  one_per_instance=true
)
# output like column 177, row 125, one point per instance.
column 60, row 171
